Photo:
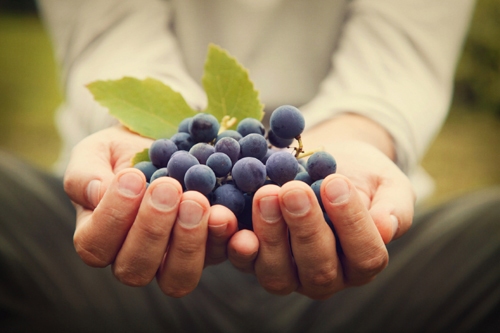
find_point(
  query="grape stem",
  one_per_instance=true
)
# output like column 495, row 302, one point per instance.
column 308, row 153
column 226, row 123
column 300, row 148
column 299, row 151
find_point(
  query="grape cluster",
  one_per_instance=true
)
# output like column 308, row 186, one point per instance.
column 229, row 166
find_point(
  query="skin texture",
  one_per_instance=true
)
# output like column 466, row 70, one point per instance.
column 123, row 224
column 148, row 234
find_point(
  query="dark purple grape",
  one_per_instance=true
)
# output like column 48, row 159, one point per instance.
column 220, row 163
column 179, row 164
column 230, row 147
column 278, row 142
column 304, row 176
column 184, row 125
column 200, row 178
column 281, row 167
column 231, row 197
column 162, row 172
column 268, row 153
column 303, row 162
column 160, row 152
column 287, row 122
column 301, row 168
column 229, row 134
column 230, row 167
column 249, row 174
column 250, row 125
column 316, row 186
column 204, row 127
column 245, row 217
column 253, row 145
column 320, row 165
column 182, row 140
column 202, row 151
column 147, row 169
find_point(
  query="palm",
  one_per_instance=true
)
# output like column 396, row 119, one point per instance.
column 383, row 187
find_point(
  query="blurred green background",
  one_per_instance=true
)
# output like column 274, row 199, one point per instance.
column 465, row 156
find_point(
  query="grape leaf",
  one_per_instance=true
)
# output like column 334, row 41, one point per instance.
column 147, row 107
column 142, row 156
column 230, row 92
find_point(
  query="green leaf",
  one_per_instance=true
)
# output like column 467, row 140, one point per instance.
column 142, row 156
column 230, row 92
column 147, row 107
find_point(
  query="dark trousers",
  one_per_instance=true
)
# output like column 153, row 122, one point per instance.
column 443, row 276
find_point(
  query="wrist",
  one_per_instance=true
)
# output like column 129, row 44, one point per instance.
column 351, row 127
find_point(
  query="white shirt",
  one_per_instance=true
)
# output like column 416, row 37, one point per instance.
column 390, row 60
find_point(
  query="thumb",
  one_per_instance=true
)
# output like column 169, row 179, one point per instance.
column 364, row 252
column 89, row 172
column 96, row 159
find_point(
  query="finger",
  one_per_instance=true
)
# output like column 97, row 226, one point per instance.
column 107, row 151
column 274, row 266
column 364, row 252
column 86, row 186
column 313, row 244
column 222, row 224
column 142, row 252
column 392, row 207
column 185, row 257
column 99, row 236
column 242, row 250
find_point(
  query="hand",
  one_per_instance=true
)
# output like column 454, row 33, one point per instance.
column 370, row 202
column 159, row 231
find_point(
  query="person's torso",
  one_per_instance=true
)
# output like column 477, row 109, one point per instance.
column 287, row 45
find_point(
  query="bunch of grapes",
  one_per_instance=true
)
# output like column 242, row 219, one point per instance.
column 229, row 166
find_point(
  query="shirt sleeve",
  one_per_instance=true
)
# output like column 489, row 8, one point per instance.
column 102, row 40
column 395, row 65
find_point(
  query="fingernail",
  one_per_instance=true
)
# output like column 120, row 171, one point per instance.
column 190, row 214
column 297, row 202
column 270, row 209
column 218, row 230
column 164, row 196
column 337, row 191
column 130, row 184
column 93, row 190
column 395, row 225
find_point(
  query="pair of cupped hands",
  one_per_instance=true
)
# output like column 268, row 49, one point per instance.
column 160, row 232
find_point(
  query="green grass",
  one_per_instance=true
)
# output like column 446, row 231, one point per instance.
column 465, row 156
column 29, row 91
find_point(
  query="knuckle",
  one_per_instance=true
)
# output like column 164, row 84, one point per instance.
column 130, row 277
column 70, row 184
column 406, row 221
column 188, row 250
column 214, row 259
column 277, row 286
column 244, row 266
column 324, row 279
column 354, row 223
column 90, row 255
column 320, row 296
column 116, row 220
column 271, row 240
column 154, row 231
column 111, row 213
column 305, row 236
column 372, row 266
column 176, row 292
column 241, row 259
